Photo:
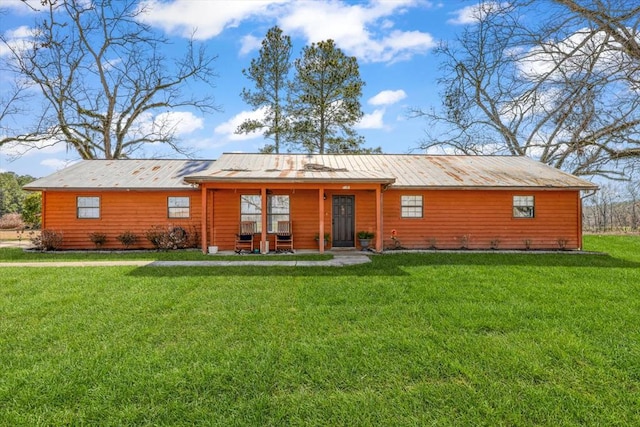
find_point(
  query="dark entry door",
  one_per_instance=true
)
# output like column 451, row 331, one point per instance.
column 343, row 221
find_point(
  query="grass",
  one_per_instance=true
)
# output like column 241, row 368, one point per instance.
column 410, row 339
column 18, row 255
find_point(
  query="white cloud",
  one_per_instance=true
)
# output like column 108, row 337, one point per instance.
column 364, row 31
column 569, row 56
column 19, row 6
column 473, row 14
column 249, row 44
column 229, row 127
column 388, row 97
column 17, row 39
column 374, row 120
column 49, row 146
column 57, row 164
column 183, row 122
column 207, row 18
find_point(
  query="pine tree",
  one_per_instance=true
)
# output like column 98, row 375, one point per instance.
column 324, row 100
column 269, row 72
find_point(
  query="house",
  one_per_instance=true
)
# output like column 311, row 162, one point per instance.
column 407, row 201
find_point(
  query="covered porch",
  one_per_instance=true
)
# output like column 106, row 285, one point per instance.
column 314, row 210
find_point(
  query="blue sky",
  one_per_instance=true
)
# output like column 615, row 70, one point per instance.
column 393, row 41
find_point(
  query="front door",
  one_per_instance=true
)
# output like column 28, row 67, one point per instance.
column 343, row 221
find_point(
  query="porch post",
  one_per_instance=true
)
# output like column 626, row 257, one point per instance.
column 378, row 219
column 321, row 219
column 263, row 217
column 203, row 217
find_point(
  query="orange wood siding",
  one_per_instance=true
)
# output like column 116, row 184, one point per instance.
column 483, row 217
column 119, row 211
column 303, row 214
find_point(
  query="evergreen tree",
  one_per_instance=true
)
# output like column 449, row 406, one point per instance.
column 269, row 73
column 324, row 100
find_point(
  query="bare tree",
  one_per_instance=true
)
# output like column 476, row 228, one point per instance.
column 531, row 78
column 105, row 82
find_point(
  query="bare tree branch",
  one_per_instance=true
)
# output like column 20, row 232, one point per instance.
column 105, row 80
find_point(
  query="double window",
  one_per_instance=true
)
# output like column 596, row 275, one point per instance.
column 278, row 209
column 179, row 207
column 411, row 206
column 523, row 207
column 88, row 207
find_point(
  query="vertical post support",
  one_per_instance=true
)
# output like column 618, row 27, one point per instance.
column 321, row 219
column 203, row 217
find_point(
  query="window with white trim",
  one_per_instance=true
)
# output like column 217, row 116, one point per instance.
column 278, row 210
column 88, row 207
column 523, row 207
column 179, row 207
column 411, row 206
column 251, row 210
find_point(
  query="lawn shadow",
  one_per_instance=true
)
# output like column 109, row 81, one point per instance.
column 529, row 259
column 395, row 265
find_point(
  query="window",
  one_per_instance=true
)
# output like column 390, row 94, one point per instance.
column 523, row 207
column 88, row 207
column 277, row 210
column 251, row 210
column 411, row 206
column 179, row 207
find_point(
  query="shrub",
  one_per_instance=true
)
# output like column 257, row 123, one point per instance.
column 11, row 221
column 32, row 210
column 47, row 240
column 562, row 243
column 98, row 238
column 495, row 243
column 127, row 238
column 169, row 237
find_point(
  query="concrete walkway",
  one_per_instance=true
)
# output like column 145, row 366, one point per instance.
column 340, row 260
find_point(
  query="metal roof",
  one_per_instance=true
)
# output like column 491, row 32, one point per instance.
column 400, row 170
column 123, row 174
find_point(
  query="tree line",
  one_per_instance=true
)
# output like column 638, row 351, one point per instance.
column 15, row 200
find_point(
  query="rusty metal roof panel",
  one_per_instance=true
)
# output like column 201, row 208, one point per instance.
column 405, row 171
column 401, row 171
column 123, row 174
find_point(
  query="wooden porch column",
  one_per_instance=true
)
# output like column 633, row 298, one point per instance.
column 203, row 219
column 378, row 219
column 321, row 219
column 263, row 217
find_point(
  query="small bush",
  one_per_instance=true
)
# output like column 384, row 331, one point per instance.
column 47, row 240
column 167, row 238
column 495, row 243
column 562, row 243
column 127, row 238
column 98, row 238
column 11, row 221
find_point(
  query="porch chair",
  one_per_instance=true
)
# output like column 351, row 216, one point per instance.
column 284, row 237
column 244, row 239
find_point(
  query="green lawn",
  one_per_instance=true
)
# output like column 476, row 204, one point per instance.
column 410, row 339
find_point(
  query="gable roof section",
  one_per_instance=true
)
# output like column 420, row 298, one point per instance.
column 400, row 170
column 293, row 168
column 122, row 175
